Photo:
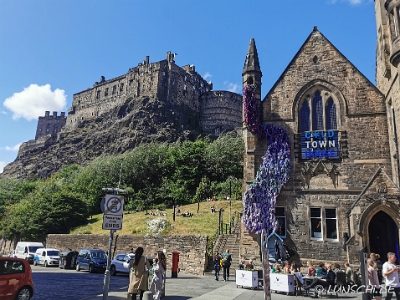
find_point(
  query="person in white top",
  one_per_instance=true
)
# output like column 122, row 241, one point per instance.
column 391, row 273
column 373, row 280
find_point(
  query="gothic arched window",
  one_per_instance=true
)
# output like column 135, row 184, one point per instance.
column 318, row 116
column 331, row 119
column 318, row 125
column 304, row 117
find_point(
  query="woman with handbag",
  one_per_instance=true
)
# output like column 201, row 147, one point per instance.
column 138, row 275
column 159, row 267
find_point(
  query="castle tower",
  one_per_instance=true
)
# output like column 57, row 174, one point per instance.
column 251, row 75
column 387, row 70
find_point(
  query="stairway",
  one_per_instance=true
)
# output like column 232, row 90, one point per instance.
column 227, row 241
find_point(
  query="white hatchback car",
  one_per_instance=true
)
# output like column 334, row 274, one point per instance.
column 120, row 263
column 47, row 257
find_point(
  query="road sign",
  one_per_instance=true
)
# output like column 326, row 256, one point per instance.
column 111, row 222
column 114, row 205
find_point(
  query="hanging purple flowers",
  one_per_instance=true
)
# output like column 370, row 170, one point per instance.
column 260, row 198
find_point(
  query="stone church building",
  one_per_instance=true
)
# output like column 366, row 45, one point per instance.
column 343, row 193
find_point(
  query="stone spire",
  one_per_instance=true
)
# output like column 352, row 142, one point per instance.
column 252, row 63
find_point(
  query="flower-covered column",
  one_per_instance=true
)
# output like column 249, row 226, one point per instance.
column 259, row 200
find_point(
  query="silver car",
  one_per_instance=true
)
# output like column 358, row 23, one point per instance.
column 120, row 263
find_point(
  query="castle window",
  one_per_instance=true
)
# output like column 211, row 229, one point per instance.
column 121, row 87
column 130, row 82
column 114, row 90
column 98, row 95
column 106, row 92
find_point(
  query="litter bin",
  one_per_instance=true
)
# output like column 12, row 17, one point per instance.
column 68, row 259
column 175, row 262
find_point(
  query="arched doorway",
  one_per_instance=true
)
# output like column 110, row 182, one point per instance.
column 383, row 235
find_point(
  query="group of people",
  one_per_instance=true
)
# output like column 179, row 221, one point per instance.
column 326, row 275
column 248, row 266
column 223, row 261
column 138, row 275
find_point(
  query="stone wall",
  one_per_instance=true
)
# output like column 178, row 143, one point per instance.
column 193, row 249
column 220, row 111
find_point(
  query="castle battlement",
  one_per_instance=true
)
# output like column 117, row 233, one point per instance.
column 163, row 80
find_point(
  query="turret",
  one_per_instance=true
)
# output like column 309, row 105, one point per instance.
column 251, row 75
column 392, row 7
column 251, row 71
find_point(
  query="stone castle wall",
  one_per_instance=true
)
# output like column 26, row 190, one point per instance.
column 193, row 249
column 163, row 80
column 220, row 111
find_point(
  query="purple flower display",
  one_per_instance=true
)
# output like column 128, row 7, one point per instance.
column 259, row 200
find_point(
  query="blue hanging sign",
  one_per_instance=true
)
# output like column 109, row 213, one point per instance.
column 319, row 144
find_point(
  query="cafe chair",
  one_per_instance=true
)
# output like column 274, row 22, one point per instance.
column 300, row 283
column 340, row 279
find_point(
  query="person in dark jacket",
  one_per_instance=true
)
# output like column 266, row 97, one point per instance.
column 226, row 264
column 217, row 265
column 326, row 281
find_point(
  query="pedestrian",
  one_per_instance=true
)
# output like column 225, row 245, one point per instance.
column 159, row 267
column 373, row 281
column 138, row 275
column 226, row 263
column 376, row 259
column 217, row 266
column 391, row 274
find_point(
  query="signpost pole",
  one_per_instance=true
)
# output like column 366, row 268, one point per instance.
column 113, row 208
column 107, row 272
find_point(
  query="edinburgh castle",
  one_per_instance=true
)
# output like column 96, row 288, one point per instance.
column 152, row 102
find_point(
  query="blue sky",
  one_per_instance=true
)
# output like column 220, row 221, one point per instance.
column 53, row 49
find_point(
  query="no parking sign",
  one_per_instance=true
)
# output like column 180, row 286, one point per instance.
column 113, row 212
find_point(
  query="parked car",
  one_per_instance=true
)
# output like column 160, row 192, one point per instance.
column 27, row 250
column 47, row 257
column 120, row 263
column 92, row 260
column 15, row 279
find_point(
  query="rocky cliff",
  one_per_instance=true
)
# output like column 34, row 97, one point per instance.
column 121, row 129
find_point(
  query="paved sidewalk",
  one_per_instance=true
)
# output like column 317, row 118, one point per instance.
column 206, row 287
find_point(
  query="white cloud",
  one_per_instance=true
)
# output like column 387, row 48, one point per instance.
column 15, row 148
column 232, row 87
column 3, row 112
column 207, row 75
column 2, row 165
column 34, row 100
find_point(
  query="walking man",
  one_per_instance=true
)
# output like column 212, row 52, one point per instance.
column 391, row 273
column 226, row 263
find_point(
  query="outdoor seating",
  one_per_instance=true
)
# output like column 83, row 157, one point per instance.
column 300, row 284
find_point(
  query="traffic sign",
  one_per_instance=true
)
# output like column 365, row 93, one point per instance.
column 114, row 205
column 111, row 222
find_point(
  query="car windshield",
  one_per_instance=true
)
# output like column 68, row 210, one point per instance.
column 33, row 248
column 53, row 253
column 99, row 255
